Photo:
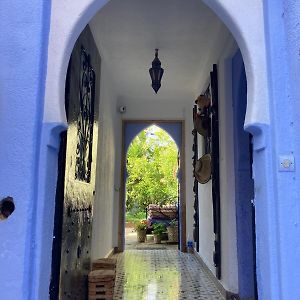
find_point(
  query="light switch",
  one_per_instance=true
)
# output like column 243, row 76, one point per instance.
column 286, row 163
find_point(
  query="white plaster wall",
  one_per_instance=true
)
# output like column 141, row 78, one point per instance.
column 169, row 110
column 148, row 110
column 229, row 261
column 206, row 231
column 229, row 271
column 189, row 169
column 223, row 38
column 105, row 222
column 245, row 20
column 69, row 17
column 182, row 109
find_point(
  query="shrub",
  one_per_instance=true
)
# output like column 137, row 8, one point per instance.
column 159, row 228
column 141, row 225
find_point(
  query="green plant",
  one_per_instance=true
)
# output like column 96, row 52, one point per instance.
column 173, row 223
column 135, row 217
column 141, row 225
column 159, row 228
column 152, row 165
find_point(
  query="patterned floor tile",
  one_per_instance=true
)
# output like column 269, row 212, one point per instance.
column 162, row 275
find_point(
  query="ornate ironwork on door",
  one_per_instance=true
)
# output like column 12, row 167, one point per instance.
column 77, row 170
column 85, row 118
column 206, row 115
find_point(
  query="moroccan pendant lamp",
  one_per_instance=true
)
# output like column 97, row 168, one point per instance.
column 156, row 72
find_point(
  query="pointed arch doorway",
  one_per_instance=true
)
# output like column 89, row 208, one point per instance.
column 66, row 24
column 130, row 129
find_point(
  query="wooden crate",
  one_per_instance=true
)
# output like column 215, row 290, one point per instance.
column 101, row 284
column 104, row 263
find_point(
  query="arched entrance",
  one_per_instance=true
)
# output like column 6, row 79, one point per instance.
column 152, row 190
column 70, row 24
column 176, row 130
column 257, row 120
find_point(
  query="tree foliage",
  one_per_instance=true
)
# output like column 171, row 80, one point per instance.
column 152, row 163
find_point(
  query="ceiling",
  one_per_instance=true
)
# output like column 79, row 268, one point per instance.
column 187, row 34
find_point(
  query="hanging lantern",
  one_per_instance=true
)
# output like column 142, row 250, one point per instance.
column 156, row 72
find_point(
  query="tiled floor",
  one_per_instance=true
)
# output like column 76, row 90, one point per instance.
column 131, row 242
column 162, row 275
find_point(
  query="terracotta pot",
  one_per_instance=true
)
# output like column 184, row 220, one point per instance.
column 141, row 235
column 172, row 234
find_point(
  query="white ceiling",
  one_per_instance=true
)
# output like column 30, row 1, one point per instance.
column 186, row 32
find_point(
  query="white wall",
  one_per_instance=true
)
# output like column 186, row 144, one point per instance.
column 105, row 229
column 227, row 182
column 175, row 109
column 69, row 17
column 104, row 223
column 148, row 110
column 189, row 169
column 229, row 277
column 109, row 165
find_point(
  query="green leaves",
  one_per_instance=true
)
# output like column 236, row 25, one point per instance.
column 152, row 169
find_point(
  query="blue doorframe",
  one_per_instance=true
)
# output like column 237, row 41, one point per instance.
column 244, row 184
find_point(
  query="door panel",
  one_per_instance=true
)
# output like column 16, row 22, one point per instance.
column 82, row 98
column 195, row 186
column 215, row 169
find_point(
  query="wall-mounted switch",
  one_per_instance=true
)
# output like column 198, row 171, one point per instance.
column 286, row 163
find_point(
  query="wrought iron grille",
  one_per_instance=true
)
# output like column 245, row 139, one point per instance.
column 207, row 114
column 85, row 119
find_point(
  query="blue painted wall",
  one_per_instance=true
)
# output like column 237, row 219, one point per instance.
column 282, row 20
column 24, row 28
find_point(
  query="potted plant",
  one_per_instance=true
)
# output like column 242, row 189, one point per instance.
column 158, row 230
column 173, row 231
column 141, row 229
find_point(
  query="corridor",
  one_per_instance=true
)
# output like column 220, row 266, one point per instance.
column 162, row 275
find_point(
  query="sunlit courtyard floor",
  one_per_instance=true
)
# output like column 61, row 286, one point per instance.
column 131, row 242
column 162, row 275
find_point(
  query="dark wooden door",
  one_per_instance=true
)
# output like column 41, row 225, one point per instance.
column 215, row 169
column 59, row 208
column 78, row 189
column 195, row 186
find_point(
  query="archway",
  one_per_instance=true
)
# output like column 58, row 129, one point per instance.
column 68, row 26
column 152, row 189
column 242, row 28
column 176, row 131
